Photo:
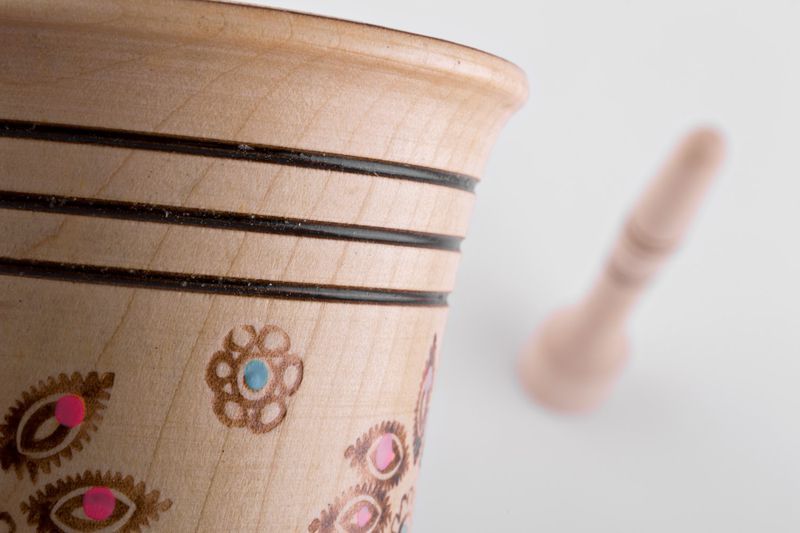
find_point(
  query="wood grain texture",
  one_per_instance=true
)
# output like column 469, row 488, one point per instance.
column 120, row 243
column 262, row 189
column 234, row 72
column 204, row 410
column 363, row 365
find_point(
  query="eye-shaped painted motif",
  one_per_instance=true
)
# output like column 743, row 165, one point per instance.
column 7, row 524
column 94, row 502
column 253, row 377
column 381, row 454
column 401, row 523
column 362, row 509
column 52, row 421
column 423, row 401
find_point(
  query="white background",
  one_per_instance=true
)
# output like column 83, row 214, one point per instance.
column 703, row 431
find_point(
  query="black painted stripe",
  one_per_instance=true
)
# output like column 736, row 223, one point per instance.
column 233, row 150
column 150, row 279
column 166, row 214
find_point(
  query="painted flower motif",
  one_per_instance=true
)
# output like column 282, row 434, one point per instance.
column 382, row 459
column 423, row 402
column 252, row 378
column 94, row 502
column 401, row 522
column 362, row 509
column 381, row 454
column 51, row 421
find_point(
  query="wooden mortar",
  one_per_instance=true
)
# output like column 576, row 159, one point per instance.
column 227, row 238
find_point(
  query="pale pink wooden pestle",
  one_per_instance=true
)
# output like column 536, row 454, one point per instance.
column 573, row 359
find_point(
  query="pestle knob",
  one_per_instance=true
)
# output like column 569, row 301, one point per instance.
column 573, row 359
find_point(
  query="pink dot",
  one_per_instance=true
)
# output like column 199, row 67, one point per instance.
column 99, row 503
column 70, row 410
column 363, row 517
column 384, row 454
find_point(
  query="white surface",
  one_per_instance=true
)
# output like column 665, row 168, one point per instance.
column 703, row 432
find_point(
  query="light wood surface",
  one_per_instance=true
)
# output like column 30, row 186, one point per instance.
column 256, row 76
column 363, row 365
column 128, row 244
column 262, row 189
column 165, row 341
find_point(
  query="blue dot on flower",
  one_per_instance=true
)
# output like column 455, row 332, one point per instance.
column 256, row 374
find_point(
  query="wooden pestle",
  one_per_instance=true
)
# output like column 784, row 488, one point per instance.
column 575, row 356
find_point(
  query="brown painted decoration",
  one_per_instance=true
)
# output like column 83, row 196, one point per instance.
column 361, row 509
column 381, row 457
column 423, row 402
column 51, row 421
column 92, row 502
column 10, row 525
column 401, row 522
column 381, row 454
column 251, row 216
column 253, row 377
